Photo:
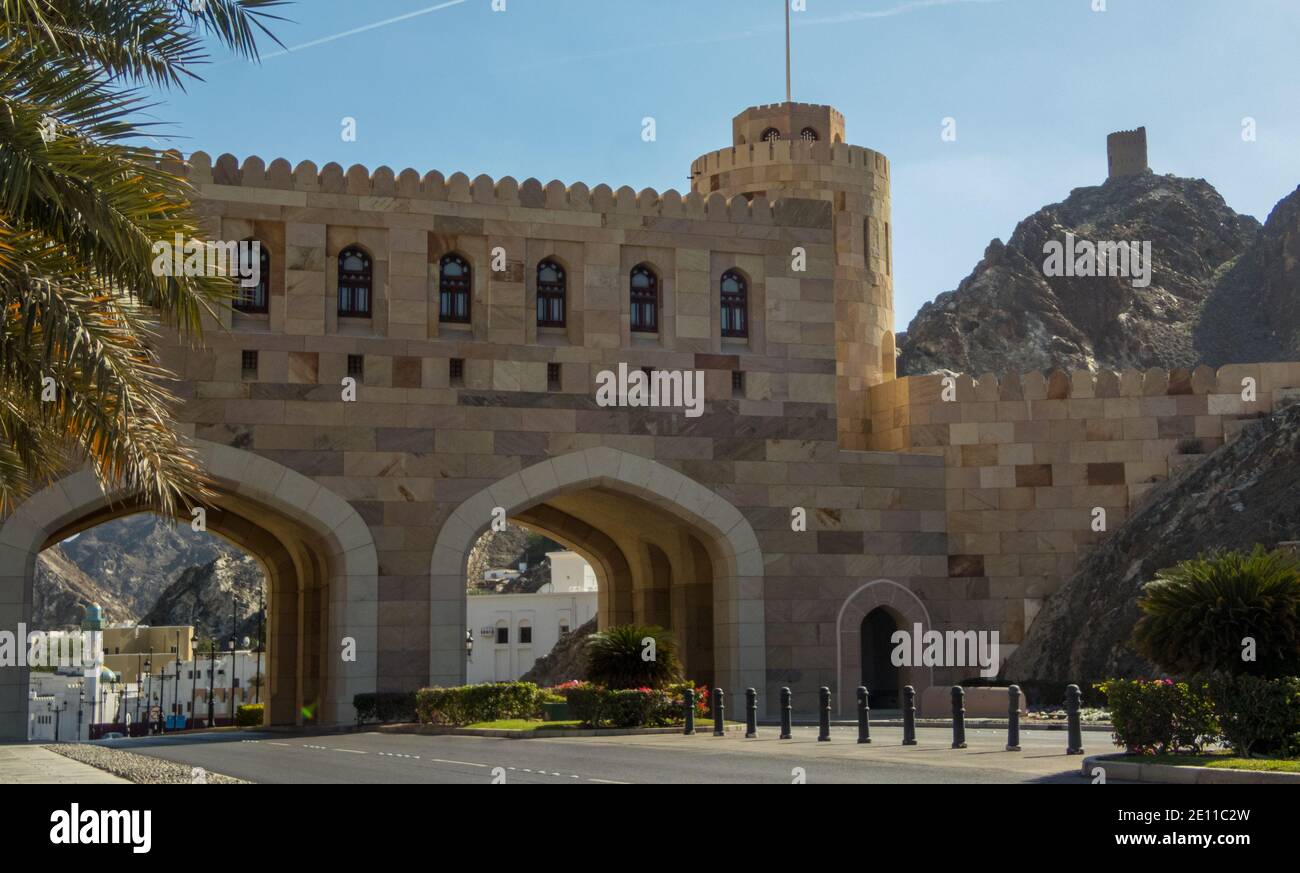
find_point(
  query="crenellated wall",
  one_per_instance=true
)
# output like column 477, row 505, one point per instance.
column 1029, row 458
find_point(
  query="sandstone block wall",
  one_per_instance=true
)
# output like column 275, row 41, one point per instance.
column 1029, row 458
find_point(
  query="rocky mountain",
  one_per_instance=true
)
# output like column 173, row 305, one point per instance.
column 135, row 558
column 61, row 592
column 1009, row 316
column 1245, row 493
column 1253, row 314
column 144, row 568
column 507, row 549
column 207, row 596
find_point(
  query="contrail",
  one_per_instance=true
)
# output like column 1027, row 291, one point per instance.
column 364, row 28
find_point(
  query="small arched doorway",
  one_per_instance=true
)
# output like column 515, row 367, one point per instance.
column 879, row 675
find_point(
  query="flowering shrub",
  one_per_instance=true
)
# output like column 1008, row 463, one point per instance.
column 627, row 707
column 1160, row 716
column 1258, row 715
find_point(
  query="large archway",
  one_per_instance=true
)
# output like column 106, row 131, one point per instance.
column 665, row 549
column 318, row 554
column 881, row 597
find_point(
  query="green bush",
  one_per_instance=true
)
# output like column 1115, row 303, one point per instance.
column 1258, row 716
column 616, row 658
column 1197, row 614
column 385, row 706
column 468, row 704
column 1160, row 716
column 249, row 715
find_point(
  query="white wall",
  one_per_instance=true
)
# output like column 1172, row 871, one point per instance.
column 543, row 613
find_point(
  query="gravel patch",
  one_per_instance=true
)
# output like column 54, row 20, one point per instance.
column 141, row 769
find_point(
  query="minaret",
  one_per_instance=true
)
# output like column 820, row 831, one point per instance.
column 92, row 629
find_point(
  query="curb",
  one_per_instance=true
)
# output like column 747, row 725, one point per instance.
column 1176, row 775
column 541, row 734
column 1001, row 723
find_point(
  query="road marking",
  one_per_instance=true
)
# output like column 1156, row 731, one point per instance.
column 461, row 763
column 608, row 781
column 269, row 743
column 352, row 751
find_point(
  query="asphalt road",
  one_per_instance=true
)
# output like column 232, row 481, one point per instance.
column 371, row 757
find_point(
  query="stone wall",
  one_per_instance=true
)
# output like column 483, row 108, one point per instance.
column 1028, row 459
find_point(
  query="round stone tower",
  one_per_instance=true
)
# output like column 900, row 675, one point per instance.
column 797, row 150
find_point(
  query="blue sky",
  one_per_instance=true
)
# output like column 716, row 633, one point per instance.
column 557, row 89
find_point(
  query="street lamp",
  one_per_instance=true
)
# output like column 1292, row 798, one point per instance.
column 469, row 644
column 148, row 693
column 81, row 704
column 233, row 680
column 261, row 635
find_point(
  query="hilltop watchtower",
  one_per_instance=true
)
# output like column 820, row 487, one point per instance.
column 798, row 150
column 1126, row 153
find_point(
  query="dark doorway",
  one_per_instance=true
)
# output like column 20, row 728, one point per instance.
column 879, row 674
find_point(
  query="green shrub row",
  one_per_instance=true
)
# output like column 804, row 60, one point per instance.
column 1251, row 714
column 600, row 707
column 249, row 715
column 469, row 704
column 385, row 706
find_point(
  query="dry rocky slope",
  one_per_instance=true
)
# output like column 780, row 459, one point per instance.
column 1247, row 492
column 144, row 568
column 1008, row 317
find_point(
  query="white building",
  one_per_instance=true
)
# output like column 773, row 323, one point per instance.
column 511, row 631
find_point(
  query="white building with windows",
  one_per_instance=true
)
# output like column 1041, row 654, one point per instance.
column 511, row 631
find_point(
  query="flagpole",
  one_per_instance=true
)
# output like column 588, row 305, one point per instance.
column 786, row 3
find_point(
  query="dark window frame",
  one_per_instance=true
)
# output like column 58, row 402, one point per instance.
column 256, row 300
column 644, row 301
column 552, row 296
column 503, row 635
column 455, row 293
column 356, row 287
column 808, row 134
column 770, row 135
column 734, row 305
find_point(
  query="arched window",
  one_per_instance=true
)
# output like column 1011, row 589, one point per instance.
column 453, row 289
column 253, row 298
column 550, row 294
column 645, row 299
column 356, row 278
column 735, row 305
column 809, row 135
column 771, row 135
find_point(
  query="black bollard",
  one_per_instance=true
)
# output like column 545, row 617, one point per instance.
column 909, row 715
column 864, row 716
column 689, row 697
column 719, row 699
column 786, row 710
column 824, row 728
column 958, row 717
column 751, row 713
column 1013, row 719
column 1073, row 698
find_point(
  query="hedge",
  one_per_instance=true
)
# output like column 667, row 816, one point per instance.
column 1258, row 716
column 385, row 706
column 249, row 715
column 468, row 704
column 628, row 707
